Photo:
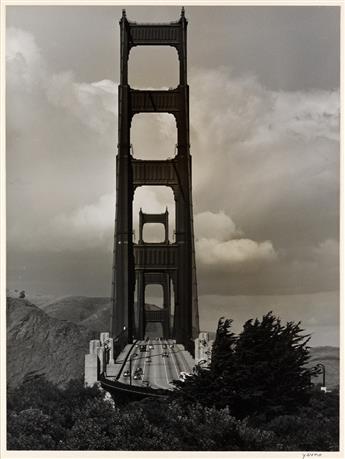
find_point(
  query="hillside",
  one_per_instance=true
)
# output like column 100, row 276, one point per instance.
column 99, row 319
column 38, row 344
column 77, row 308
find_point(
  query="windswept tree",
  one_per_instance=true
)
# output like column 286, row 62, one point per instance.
column 205, row 384
column 261, row 372
column 223, row 347
column 270, row 374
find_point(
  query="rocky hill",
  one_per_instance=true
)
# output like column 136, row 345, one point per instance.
column 38, row 344
column 99, row 320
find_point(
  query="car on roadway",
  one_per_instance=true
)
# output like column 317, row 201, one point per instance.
column 171, row 346
column 151, row 346
column 126, row 374
column 164, row 346
column 139, row 370
column 137, row 376
column 165, row 354
column 184, row 375
column 148, row 360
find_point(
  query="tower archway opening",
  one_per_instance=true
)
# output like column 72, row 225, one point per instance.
column 153, row 136
column 154, row 296
column 153, row 67
column 154, row 200
column 153, row 233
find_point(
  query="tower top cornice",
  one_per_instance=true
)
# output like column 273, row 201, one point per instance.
column 172, row 23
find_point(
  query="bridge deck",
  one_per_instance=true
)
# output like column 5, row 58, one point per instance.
column 158, row 371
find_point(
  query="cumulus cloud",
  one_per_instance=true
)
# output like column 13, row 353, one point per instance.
column 90, row 226
column 268, row 159
column 235, row 254
column 219, row 247
column 214, row 225
column 93, row 104
column 306, row 116
column 61, row 147
column 240, row 127
column 23, row 58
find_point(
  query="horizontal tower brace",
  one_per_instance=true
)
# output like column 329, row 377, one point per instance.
column 158, row 257
column 154, row 172
column 155, row 278
column 151, row 101
column 154, row 34
column 156, row 316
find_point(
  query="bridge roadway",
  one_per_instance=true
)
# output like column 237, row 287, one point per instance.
column 158, row 371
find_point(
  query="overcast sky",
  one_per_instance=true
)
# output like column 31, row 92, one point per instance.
column 264, row 108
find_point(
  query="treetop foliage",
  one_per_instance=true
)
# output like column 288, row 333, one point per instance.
column 79, row 418
column 262, row 370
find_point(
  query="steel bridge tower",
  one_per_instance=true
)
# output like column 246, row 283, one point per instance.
column 169, row 264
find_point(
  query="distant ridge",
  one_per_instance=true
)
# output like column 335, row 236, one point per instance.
column 77, row 308
column 91, row 312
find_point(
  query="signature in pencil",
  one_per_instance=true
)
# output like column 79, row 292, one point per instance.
column 305, row 455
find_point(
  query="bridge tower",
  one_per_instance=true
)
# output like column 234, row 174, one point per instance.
column 167, row 263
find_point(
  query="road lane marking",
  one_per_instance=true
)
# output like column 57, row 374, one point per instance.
column 173, row 359
column 183, row 360
column 165, row 366
column 156, row 369
column 152, row 368
column 137, row 359
column 144, row 362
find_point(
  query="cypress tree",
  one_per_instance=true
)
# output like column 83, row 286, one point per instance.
column 270, row 375
column 261, row 372
column 223, row 348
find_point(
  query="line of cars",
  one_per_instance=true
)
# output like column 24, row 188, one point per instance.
column 184, row 375
column 138, row 374
column 143, row 348
column 165, row 347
